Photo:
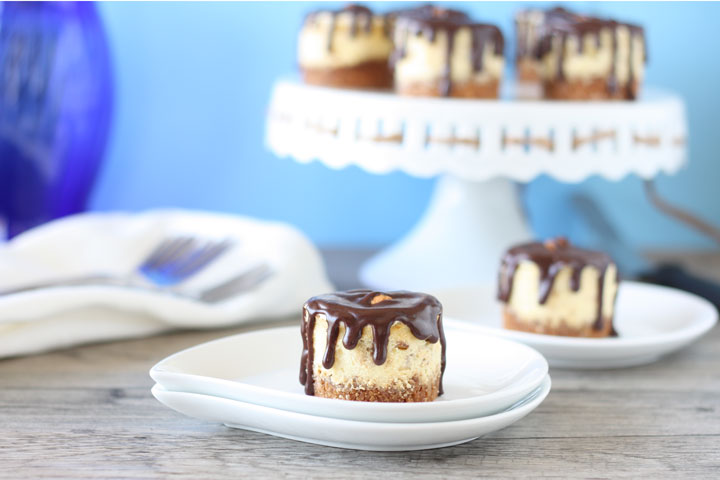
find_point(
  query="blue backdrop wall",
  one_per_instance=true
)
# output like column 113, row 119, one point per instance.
column 193, row 82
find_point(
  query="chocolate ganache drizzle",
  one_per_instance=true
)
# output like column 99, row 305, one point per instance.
column 527, row 47
column 357, row 309
column 551, row 257
column 358, row 14
column 560, row 23
column 429, row 20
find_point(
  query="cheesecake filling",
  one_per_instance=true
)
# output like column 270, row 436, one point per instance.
column 331, row 40
column 610, row 53
column 426, row 61
column 409, row 359
column 576, row 309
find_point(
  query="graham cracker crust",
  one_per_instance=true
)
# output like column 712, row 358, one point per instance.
column 511, row 322
column 458, row 90
column 528, row 70
column 416, row 392
column 595, row 89
column 375, row 74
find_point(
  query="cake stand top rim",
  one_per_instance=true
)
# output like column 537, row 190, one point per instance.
column 649, row 94
column 478, row 140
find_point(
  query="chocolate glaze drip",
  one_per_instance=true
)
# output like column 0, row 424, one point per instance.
column 429, row 20
column 551, row 257
column 554, row 15
column 354, row 308
column 358, row 13
column 561, row 24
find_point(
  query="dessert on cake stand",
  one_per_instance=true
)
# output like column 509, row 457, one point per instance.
column 478, row 149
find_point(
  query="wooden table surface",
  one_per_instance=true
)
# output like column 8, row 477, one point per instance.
column 88, row 413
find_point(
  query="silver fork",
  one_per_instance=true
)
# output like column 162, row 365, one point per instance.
column 177, row 259
column 241, row 283
column 170, row 263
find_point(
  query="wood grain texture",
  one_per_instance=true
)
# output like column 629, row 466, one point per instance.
column 88, row 413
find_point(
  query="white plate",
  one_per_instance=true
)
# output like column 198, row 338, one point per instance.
column 335, row 432
column 484, row 375
column 652, row 321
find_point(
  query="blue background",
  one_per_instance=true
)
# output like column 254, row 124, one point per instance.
column 193, row 84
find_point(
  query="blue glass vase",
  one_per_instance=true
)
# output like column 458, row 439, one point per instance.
column 55, row 107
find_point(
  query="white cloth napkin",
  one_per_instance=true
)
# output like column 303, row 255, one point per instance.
column 117, row 243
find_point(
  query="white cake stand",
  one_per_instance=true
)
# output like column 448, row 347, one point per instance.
column 478, row 148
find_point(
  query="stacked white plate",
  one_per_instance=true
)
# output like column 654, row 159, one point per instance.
column 250, row 381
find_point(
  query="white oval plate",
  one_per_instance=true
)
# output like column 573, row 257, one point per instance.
column 333, row 432
column 484, row 375
column 651, row 321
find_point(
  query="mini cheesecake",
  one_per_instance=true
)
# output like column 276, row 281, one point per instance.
column 558, row 289
column 441, row 52
column 529, row 28
column 345, row 48
column 373, row 346
column 586, row 58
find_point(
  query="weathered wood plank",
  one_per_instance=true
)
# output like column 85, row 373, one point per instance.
column 221, row 453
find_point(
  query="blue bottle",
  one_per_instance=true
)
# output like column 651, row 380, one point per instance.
column 55, row 108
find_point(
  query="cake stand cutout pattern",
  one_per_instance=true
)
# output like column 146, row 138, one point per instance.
column 478, row 149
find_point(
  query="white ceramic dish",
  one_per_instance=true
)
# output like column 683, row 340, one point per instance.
column 335, row 432
column 652, row 321
column 484, row 375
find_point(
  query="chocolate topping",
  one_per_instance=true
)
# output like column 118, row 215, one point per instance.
column 558, row 15
column 551, row 257
column 357, row 309
column 358, row 14
column 560, row 24
column 429, row 20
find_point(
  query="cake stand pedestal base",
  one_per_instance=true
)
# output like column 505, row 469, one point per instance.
column 459, row 240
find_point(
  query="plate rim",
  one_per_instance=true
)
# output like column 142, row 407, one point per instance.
column 159, row 375
column 701, row 325
column 540, row 394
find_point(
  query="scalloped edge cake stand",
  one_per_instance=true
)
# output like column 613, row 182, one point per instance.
column 478, row 148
